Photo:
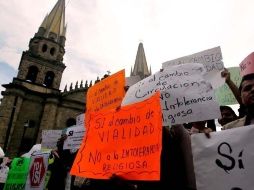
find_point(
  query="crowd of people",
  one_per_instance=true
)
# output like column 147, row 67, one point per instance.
column 177, row 170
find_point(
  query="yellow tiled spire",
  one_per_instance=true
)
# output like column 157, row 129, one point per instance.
column 54, row 22
column 140, row 67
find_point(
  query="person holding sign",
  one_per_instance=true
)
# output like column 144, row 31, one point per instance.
column 247, row 97
column 127, row 148
column 231, row 85
column 177, row 170
column 235, row 91
column 63, row 160
column 176, row 165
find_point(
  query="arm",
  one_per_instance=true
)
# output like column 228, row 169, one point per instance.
column 231, row 85
column 185, row 145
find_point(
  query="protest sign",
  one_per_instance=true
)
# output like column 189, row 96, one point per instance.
column 247, row 65
column 37, row 171
column 17, row 174
column 212, row 60
column 75, row 135
column 223, row 94
column 185, row 95
column 108, row 93
column 125, row 142
column 80, row 120
column 35, row 148
column 226, row 158
column 50, row 138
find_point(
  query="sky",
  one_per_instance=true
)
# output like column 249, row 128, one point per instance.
column 103, row 35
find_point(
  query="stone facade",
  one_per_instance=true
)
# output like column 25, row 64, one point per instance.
column 46, row 108
column 33, row 102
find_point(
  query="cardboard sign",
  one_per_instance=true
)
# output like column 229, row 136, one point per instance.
column 212, row 60
column 125, row 142
column 50, row 138
column 185, row 95
column 106, row 94
column 37, row 171
column 247, row 65
column 74, row 137
column 17, row 174
column 223, row 94
column 225, row 161
column 80, row 120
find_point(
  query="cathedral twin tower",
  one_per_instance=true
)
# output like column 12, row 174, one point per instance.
column 32, row 102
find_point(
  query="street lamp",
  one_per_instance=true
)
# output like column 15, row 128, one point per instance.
column 27, row 124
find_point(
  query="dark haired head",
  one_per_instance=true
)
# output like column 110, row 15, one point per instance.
column 227, row 115
column 246, row 77
column 229, row 109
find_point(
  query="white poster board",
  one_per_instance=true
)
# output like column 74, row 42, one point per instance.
column 80, row 119
column 74, row 137
column 185, row 95
column 225, row 161
column 50, row 138
column 37, row 171
column 212, row 60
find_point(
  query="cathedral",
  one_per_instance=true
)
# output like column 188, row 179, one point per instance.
column 33, row 101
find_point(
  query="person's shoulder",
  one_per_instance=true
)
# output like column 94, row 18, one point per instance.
column 234, row 124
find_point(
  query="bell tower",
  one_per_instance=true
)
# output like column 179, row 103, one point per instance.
column 30, row 102
column 140, row 67
column 42, row 64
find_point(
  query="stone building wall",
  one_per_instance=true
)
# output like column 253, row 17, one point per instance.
column 5, row 113
column 29, row 109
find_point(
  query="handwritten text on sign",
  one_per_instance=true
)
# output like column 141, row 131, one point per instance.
column 247, row 65
column 185, row 95
column 227, row 158
column 212, row 60
column 107, row 93
column 126, row 142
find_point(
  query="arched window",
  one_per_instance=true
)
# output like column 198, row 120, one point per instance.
column 49, row 78
column 32, row 74
column 52, row 51
column 44, row 48
column 70, row 122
